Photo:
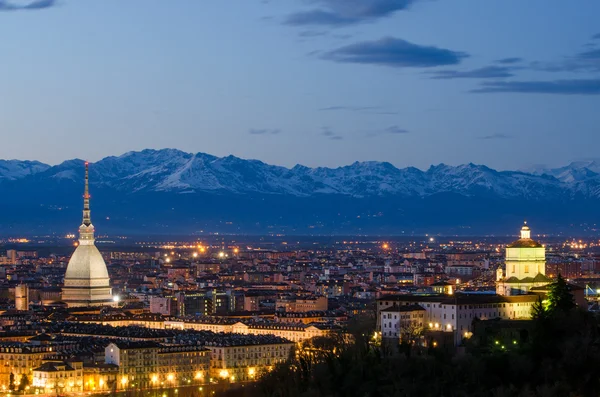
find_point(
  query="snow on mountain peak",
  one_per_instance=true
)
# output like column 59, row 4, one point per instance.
column 172, row 170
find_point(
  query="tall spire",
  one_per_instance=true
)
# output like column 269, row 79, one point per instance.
column 86, row 197
column 86, row 230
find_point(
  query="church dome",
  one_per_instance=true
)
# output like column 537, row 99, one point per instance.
column 86, row 281
column 86, row 263
column 525, row 241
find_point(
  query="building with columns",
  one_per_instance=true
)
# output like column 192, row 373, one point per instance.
column 86, row 281
column 525, row 266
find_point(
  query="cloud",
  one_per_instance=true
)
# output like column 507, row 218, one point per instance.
column 495, row 136
column 560, row 87
column 398, row 53
column 509, row 60
column 326, row 132
column 359, row 109
column 596, row 36
column 586, row 61
column 392, row 130
column 312, row 33
column 15, row 5
column 347, row 12
column 396, row 130
column 353, row 108
column 487, row 72
column 264, row 131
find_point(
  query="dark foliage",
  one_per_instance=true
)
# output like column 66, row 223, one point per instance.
column 559, row 359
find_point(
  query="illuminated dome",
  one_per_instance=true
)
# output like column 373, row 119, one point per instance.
column 525, row 241
column 86, row 263
column 525, row 266
column 86, row 280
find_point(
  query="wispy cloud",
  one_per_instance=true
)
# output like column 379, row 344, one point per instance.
column 509, row 60
column 15, row 5
column 350, row 108
column 396, row 130
column 328, row 133
column 337, row 13
column 559, row 87
column 360, row 109
column 585, row 61
column 495, row 136
column 393, row 52
column 312, row 33
column 264, row 131
column 392, row 130
column 596, row 36
column 487, row 72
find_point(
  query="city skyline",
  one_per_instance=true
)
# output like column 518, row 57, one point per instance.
column 320, row 83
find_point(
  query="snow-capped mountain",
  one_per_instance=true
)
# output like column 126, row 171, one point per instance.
column 173, row 192
column 171, row 170
column 574, row 172
column 16, row 169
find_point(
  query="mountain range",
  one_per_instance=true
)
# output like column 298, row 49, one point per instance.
column 173, row 192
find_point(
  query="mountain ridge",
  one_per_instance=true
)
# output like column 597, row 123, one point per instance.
column 170, row 191
column 173, row 170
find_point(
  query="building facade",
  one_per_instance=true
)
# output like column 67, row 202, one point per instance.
column 86, row 281
column 525, row 266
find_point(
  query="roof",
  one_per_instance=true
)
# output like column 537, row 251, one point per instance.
column 86, row 263
column 525, row 243
column 404, row 308
column 441, row 284
column 54, row 366
column 539, row 278
column 461, row 299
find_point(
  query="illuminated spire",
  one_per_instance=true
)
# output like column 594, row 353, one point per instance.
column 86, row 197
column 86, row 230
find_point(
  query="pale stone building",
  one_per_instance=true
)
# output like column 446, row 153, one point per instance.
column 86, row 281
column 525, row 266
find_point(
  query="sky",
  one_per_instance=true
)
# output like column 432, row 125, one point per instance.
column 505, row 83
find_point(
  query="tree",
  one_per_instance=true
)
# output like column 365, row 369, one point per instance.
column 560, row 298
column 538, row 311
column 24, row 382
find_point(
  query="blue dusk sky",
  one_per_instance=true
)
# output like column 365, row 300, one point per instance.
column 506, row 83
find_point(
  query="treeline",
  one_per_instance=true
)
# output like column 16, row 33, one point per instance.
column 559, row 356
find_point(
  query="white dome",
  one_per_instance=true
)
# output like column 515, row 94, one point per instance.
column 86, row 263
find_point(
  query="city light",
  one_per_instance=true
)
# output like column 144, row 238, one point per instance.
column 224, row 373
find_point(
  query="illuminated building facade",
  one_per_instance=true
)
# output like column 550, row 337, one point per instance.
column 20, row 360
column 86, row 281
column 151, row 365
column 246, row 361
column 398, row 322
column 525, row 266
column 455, row 314
column 22, row 297
column 57, row 377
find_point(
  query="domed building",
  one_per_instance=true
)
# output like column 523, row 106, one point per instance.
column 525, row 266
column 86, row 281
